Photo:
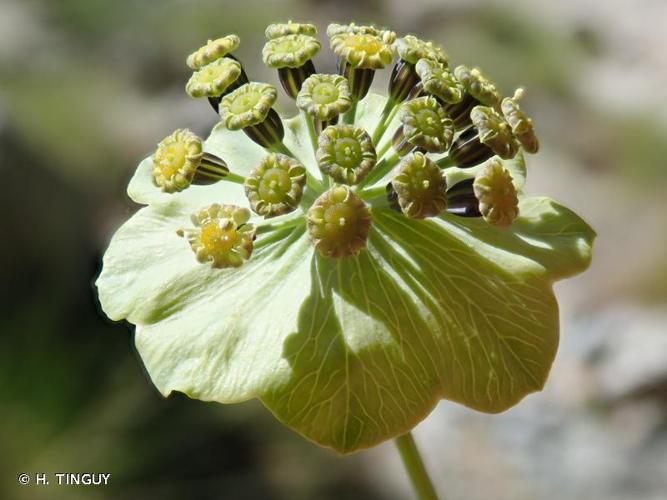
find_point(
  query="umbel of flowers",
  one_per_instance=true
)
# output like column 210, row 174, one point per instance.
column 353, row 264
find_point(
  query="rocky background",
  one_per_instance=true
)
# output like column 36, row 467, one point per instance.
column 87, row 88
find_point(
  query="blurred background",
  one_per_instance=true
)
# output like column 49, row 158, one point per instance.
column 87, row 89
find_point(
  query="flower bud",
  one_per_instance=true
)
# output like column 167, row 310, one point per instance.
column 214, row 79
column 324, row 97
column 493, row 187
column 289, row 28
column 222, row 235
column 522, row 126
column 214, row 49
column 176, row 160
column 346, row 153
column 494, row 131
column 438, row 81
column 292, row 56
column 420, row 187
column 426, row 125
column 250, row 108
column 275, row 186
column 338, row 223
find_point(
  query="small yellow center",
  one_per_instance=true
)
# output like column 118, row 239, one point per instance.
column 325, row 93
column 244, row 102
column 365, row 43
column 274, row 185
column 340, row 220
column 172, row 159
column 429, row 122
column 218, row 236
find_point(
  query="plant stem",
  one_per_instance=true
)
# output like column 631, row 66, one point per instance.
column 311, row 130
column 415, row 468
column 349, row 116
column 386, row 118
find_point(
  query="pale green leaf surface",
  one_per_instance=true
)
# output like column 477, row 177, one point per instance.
column 353, row 351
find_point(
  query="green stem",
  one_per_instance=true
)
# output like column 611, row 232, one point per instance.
column 445, row 162
column 311, row 129
column 388, row 113
column 380, row 170
column 311, row 181
column 383, row 150
column 415, row 468
column 231, row 177
column 351, row 113
column 376, row 192
column 280, row 223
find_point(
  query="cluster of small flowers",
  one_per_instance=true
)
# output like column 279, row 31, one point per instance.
column 456, row 114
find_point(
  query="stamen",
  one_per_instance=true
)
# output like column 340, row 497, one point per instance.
column 338, row 223
column 221, row 236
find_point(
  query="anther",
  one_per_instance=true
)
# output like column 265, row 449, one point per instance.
column 338, row 223
column 345, row 153
column 276, row 185
column 221, row 236
column 250, row 108
column 420, row 187
column 493, row 187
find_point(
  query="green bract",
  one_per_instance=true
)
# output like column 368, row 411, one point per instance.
column 346, row 318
